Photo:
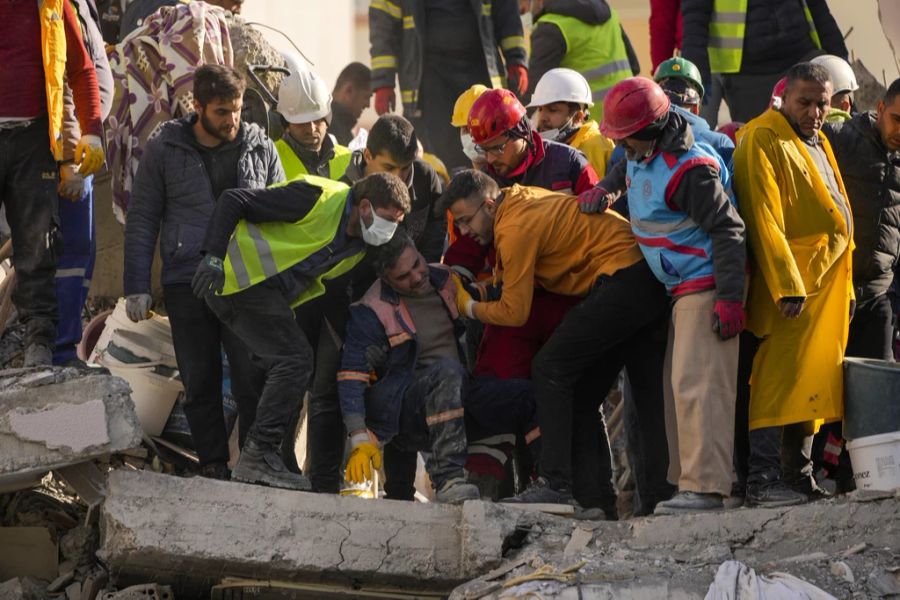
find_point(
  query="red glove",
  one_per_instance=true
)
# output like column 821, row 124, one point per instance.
column 730, row 317
column 519, row 74
column 385, row 100
column 594, row 200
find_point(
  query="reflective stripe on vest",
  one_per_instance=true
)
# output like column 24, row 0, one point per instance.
column 294, row 167
column 596, row 51
column 726, row 34
column 677, row 250
column 258, row 251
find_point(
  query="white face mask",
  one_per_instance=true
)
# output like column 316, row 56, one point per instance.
column 469, row 148
column 554, row 135
column 381, row 231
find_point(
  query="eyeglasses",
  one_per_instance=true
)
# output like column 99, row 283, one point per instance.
column 466, row 221
column 495, row 150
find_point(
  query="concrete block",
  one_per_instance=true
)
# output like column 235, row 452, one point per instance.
column 191, row 533
column 53, row 418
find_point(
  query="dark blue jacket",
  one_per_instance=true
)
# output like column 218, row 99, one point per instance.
column 720, row 142
column 172, row 198
column 377, row 407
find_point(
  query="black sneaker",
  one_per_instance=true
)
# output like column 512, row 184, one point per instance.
column 772, row 494
column 215, row 471
column 540, row 492
column 262, row 464
column 689, row 502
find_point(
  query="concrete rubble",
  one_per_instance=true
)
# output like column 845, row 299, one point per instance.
column 54, row 418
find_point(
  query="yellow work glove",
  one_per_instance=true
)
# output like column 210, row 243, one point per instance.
column 71, row 182
column 359, row 468
column 464, row 302
column 89, row 154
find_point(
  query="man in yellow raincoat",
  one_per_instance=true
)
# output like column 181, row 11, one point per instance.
column 793, row 201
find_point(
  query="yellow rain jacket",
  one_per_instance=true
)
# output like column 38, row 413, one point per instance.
column 594, row 145
column 801, row 246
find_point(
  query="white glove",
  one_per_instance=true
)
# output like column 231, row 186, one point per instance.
column 71, row 182
column 137, row 306
column 89, row 154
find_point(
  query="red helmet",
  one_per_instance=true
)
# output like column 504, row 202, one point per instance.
column 631, row 105
column 730, row 129
column 495, row 112
column 778, row 93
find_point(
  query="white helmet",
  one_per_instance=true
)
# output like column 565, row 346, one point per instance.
column 561, row 85
column 843, row 79
column 303, row 97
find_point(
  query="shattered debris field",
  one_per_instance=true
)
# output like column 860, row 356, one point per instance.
column 91, row 508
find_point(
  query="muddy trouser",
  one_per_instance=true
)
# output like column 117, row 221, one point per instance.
column 74, row 270
column 701, row 370
column 199, row 337
column 579, row 364
column 28, row 182
column 431, row 421
column 492, row 407
column 261, row 316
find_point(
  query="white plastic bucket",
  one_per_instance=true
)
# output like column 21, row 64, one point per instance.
column 156, row 328
column 153, row 394
column 876, row 461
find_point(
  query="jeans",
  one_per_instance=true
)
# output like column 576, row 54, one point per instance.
column 199, row 337
column 620, row 323
column 779, row 454
column 261, row 316
column 75, row 269
column 28, row 181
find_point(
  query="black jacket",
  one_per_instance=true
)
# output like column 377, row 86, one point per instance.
column 172, row 199
column 871, row 176
column 427, row 230
column 342, row 123
column 776, row 35
column 548, row 46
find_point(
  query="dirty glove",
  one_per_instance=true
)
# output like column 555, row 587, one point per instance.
column 376, row 357
column 791, row 306
column 209, row 278
column 363, row 458
column 729, row 318
column 385, row 100
column 89, row 154
column 594, row 200
column 71, row 182
column 137, row 306
column 519, row 74
column 464, row 302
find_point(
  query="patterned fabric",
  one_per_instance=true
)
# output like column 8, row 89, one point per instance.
column 153, row 72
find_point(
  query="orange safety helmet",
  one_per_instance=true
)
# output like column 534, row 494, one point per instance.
column 494, row 113
column 631, row 105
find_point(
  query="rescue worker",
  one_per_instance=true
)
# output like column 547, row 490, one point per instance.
column 583, row 35
column 306, row 148
column 182, row 173
column 867, row 151
column 679, row 78
column 800, row 229
column 410, row 317
column 76, row 201
column 39, row 52
column 391, row 147
column 542, row 239
column 747, row 45
column 563, row 100
column 843, row 83
column 693, row 239
column 352, row 94
column 270, row 252
column 436, row 50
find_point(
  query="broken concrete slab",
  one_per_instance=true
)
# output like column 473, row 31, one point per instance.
column 22, row 588
column 56, row 417
column 191, row 533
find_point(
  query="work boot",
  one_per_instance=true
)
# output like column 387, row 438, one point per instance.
column 772, row 494
column 689, row 502
column 488, row 485
column 37, row 355
column 457, row 491
column 262, row 464
column 215, row 470
column 540, row 492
